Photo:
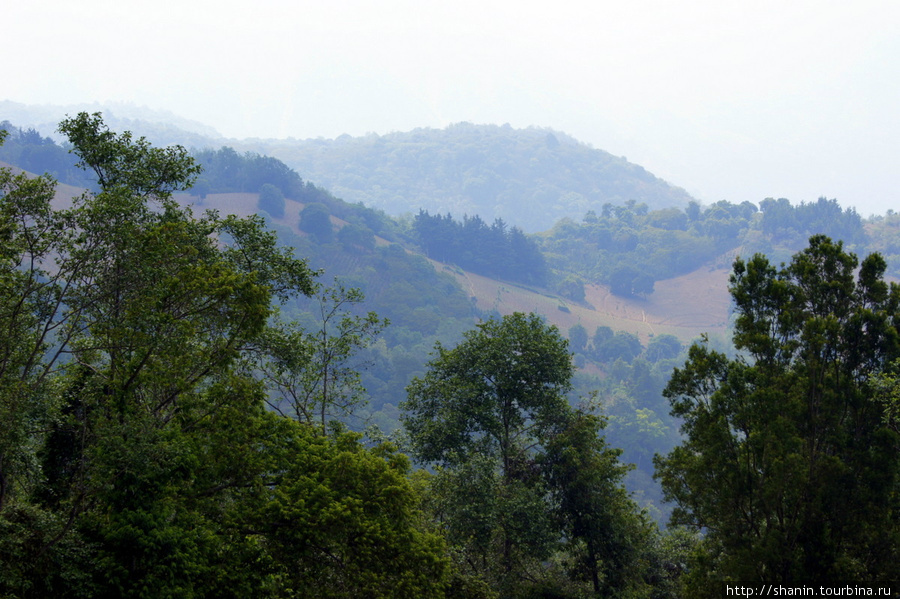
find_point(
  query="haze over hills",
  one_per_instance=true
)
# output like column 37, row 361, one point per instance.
column 631, row 286
column 159, row 126
column 530, row 178
column 176, row 391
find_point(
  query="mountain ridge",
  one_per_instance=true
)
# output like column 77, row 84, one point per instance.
column 530, row 178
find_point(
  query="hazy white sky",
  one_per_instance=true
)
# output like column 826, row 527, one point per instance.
column 730, row 100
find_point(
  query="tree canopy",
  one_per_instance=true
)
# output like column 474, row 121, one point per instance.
column 137, row 458
column 523, row 477
column 495, row 251
column 788, row 463
column 497, row 393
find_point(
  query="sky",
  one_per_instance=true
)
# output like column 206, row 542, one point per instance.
column 729, row 100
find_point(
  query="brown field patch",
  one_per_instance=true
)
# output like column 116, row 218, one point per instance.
column 685, row 306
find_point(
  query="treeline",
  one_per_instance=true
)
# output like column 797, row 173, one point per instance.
column 224, row 170
column 227, row 171
column 783, row 221
column 28, row 150
column 322, row 205
column 494, row 250
column 629, row 246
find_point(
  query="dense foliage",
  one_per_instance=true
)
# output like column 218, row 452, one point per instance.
column 137, row 458
column 783, row 221
column 528, row 177
column 226, row 171
column 171, row 384
column 493, row 415
column 628, row 247
column 495, row 251
column 170, row 429
column 788, row 462
column 30, row 151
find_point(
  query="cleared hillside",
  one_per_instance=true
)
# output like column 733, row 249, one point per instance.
column 685, row 306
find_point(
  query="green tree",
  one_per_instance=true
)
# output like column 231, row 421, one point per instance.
column 594, row 509
column 621, row 345
column 626, row 281
column 315, row 219
column 787, row 462
column 357, row 238
column 344, row 521
column 527, row 491
column 271, row 200
column 663, row 347
column 137, row 458
column 313, row 372
column 578, row 337
column 498, row 392
column 480, row 412
column 131, row 313
column 601, row 335
column 668, row 218
column 24, row 228
column 571, row 288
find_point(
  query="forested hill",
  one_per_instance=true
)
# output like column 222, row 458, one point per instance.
column 161, row 127
column 530, row 178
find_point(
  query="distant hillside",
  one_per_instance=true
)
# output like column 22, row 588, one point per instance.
column 530, row 178
column 686, row 306
column 160, row 127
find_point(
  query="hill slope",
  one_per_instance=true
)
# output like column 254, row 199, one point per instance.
column 528, row 177
column 684, row 306
column 531, row 178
